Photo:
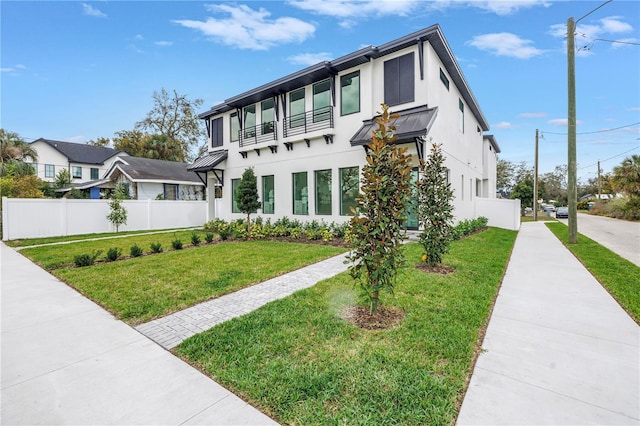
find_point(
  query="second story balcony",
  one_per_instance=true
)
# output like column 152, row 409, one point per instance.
column 308, row 122
column 264, row 132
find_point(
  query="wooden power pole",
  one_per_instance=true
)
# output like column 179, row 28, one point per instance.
column 535, row 181
column 571, row 142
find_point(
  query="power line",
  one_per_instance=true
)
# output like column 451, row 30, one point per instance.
column 584, row 16
column 596, row 131
column 610, row 158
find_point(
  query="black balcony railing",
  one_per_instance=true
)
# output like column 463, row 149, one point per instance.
column 264, row 132
column 311, row 121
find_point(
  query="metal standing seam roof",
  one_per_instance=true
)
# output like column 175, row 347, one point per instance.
column 82, row 153
column 208, row 162
column 411, row 123
column 326, row 69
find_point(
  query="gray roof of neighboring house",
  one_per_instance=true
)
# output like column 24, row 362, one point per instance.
column 146, row 169
column 432, row 34
column 82, row 153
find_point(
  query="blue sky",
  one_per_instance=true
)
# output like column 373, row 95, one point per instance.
column 77, row 70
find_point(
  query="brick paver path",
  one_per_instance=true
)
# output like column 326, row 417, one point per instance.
column 171, row 330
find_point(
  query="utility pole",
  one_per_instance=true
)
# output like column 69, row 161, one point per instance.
column 571, row 143
column 599, row 192
column 535, row 182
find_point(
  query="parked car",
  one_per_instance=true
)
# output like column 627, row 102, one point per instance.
column 549, row 208
column 562, row 212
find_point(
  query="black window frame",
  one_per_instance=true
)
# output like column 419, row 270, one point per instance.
column 399, row 80
column 217, row 132
column 444, row 79
column 350, row 77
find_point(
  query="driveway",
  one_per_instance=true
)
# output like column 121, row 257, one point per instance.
column 620, row 236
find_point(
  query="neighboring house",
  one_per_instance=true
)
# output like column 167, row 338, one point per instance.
column 84, row 162
column 149, row 179
column 305, row 134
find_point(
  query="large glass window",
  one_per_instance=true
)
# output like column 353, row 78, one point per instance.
column 399, row 80
column 49, row 170
column 268, row 116
column 321, row 101
column 300, row 193
column 216, row 132
column 235, row 127
column 94, row 173
column 170, row 191
column 350, row 93
column 296, row 108
column 76, row 172
column 249, row 121
column 323, row 191
column 349, row 189
column 268, row 196
column 234, row 190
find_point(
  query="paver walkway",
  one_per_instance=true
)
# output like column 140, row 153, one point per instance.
column 171, row 330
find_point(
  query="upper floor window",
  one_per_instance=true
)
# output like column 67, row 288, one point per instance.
column 444, row 79
column 268, row 116
column 321, row 101
column 249, row 121
column 460, row 115
column 49, row 170
column 234, row 126
column 296, row 108
column 399, row 80
column 94, row 173
column 350, row 93
column 76, row 172
column 216, row 132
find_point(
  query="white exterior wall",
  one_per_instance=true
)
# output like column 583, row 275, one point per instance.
column 149, row 190
column 463, row 150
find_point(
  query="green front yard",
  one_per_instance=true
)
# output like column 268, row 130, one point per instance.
column 297, row 360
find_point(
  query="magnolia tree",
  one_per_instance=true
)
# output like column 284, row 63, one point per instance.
column 435, row 208
column 247, row 195
column 377, row 225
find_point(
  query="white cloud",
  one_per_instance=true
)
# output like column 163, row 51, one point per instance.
column 613, row 25
column 309, row 58
column 6, row 69
column 138, row 37
column 505, row 44
column 507, row 7
column 562, row 122
column 246, row 28
column 533, row 115
column 163, row 43
column 503, row 125
column 77, row 139
column 633, row 108
column 92, row 11
column 587, row 35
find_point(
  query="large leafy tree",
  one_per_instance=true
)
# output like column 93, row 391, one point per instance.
column 13, row 153
column 247, row 195
column 626, row 177
column 435, row 207
column 175, row 116
column 554, row 184
column 377, row 225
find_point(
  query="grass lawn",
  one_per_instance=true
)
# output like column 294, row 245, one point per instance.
column 58, row 256
column 67, row 238
column 619, row 276
column 299, row 362
column 140, row 289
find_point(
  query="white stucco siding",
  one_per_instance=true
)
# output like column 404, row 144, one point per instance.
column 149, row 190
column 51, row 156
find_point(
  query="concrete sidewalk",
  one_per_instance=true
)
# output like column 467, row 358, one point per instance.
column 67, row 361
column 559, row 350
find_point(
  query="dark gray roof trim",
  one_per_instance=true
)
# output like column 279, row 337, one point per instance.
column 412, row 123
column 322, row 70
column 208, row 162
column 82, row 153
column 492, row 140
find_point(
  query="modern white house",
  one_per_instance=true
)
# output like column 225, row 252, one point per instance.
column 305, row 134
column 84, row 162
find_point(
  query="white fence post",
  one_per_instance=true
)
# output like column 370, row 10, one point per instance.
column 5, row 219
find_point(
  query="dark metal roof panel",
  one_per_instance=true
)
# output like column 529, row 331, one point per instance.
column 208, row 162
column 412, row 123
column 148, row 169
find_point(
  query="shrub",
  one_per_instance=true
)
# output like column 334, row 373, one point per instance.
column 156, row 247
column 214, row 225
column 326, row 235
column 295, row 233
column 136, row 251
column 208, row 237
column 113, row 253
column 86, row 259
column 238, row 229
column 224, row 234
column 195, row 238
column 176, row 244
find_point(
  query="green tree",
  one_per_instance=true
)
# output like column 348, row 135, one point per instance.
column 160, row 147
column 626, row 177
column 435, row 207
column 175, row 116
column 21, row 186
column 554, row 185
column 62, row 179
column 377, row 225
column 505, row 171
column 130, row 141
column 247, row 195
column 117, row 212
column 13, row 153
column 103, row 142
column 524, row 191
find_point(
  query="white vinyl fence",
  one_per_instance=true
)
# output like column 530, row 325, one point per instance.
column 501, row 213
column 33, row 218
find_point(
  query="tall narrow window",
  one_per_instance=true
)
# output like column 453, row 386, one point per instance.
column 249, row 121
column 300, row 193
column 268, row 117
column 444, row 79
column 94, row 173
column 268, row 196
column 321, row 101
column 49, row 170
column 323, row 191
column 216, row 132
column 296, row 108
column 349, row 189
column 76, row 172
column 234, row 190
column 350, row 93
column 399, row 80
column 460, row 115
column 235, row 127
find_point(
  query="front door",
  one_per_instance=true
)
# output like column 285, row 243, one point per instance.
column 412, row 206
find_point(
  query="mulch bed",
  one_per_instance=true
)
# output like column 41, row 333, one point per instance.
column 382, row 319
column 438, row 269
